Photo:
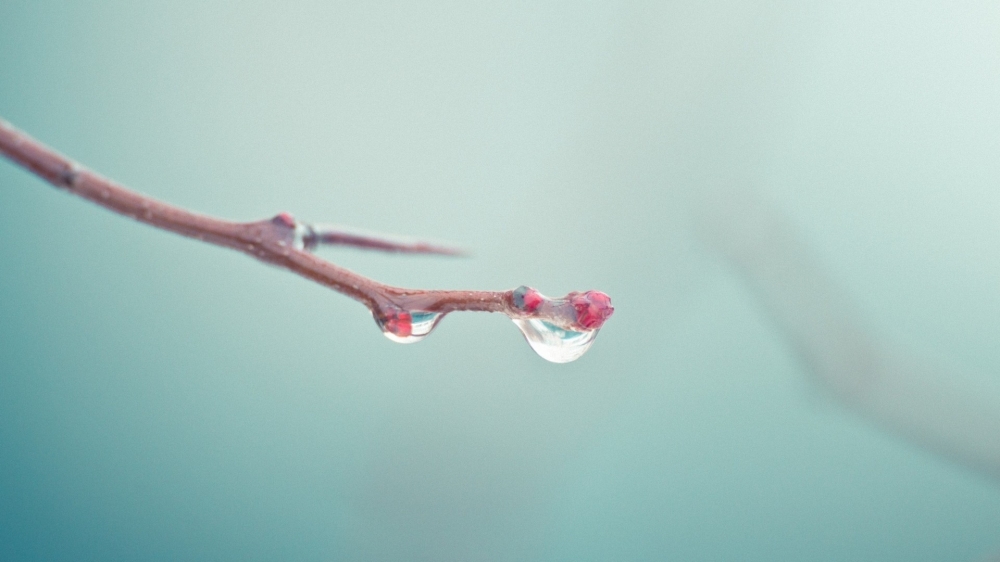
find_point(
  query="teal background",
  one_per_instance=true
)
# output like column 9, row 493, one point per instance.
column 162, row 399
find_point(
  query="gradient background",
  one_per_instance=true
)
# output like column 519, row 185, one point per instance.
column 162, row 399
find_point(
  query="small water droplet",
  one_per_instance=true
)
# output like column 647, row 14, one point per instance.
column 296, row 234
column 303, row 237
column 554, row 343
column 403, row 326
column 106, row 194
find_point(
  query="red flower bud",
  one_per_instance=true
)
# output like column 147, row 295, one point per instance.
column 592, row 309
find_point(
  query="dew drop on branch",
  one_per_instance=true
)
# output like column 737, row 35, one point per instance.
column 303, row 237
column 402, row 326
column 554, row 343
column 299, row 235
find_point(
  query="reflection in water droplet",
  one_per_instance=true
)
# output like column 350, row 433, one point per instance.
column 553, row 343
column 401, row 326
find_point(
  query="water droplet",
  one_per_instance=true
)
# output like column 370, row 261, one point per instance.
column 554, row 343
column 403, row 326
column 106, row 194
column 296, row 234
column 303, row 237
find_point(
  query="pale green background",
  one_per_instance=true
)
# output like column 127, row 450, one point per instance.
column 162, row 399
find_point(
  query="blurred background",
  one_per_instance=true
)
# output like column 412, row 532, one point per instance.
column 162, row 399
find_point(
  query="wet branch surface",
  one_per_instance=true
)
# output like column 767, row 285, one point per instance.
column 286, row 242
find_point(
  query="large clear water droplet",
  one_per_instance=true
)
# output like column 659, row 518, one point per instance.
column 554, row 343
column 403, row 326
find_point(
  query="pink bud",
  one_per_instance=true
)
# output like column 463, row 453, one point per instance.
column 532, row 300
column 285, row 219
column 527, row 299
column 592, row 309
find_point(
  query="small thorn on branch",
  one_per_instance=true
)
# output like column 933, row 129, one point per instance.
column 309, row 237
column 321, row 234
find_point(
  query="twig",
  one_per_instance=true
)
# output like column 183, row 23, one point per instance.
column 286, row 242
column 317, row 234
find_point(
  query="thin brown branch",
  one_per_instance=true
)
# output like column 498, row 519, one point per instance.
column 285, row 242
